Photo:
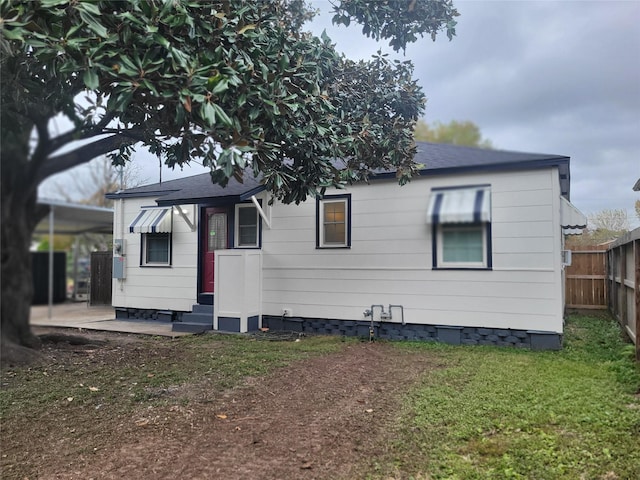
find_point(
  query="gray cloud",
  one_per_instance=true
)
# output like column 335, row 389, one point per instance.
column 550, row 77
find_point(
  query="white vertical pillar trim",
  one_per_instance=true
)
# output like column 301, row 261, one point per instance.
column 50, row 276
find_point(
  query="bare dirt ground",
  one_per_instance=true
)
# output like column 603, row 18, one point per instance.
column 325, row 417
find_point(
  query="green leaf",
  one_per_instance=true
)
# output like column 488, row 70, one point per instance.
column 53, row 3
column 208, row 114
column 220, row 87
column 160, row 40
column 128, row 16
column 90, row 79
column 94, row 24
column 221, row 114
column 12, row 34
column 179, row 56
column 121, row 101
column 89, row 7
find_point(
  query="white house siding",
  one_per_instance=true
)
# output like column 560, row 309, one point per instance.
column 390, row 259
column 156, row 288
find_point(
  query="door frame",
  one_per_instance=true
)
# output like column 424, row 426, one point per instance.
column 206, row 298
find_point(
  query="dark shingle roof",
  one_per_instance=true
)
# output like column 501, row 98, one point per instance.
column 194, row 189
column 441, row 159
column 437, row 159
column 436, row 156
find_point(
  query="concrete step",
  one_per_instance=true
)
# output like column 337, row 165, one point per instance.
column 198, row 321
column 203, row 309
column 206, row 318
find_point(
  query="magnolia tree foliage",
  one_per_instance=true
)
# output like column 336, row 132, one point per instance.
column 228, row 82
column 238, row 84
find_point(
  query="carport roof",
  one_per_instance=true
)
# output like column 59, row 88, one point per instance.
column 74, row 218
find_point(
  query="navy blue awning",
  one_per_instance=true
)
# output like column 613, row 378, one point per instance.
column 152, row 220
column 460, row 205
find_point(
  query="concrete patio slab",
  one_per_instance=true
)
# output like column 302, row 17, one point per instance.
column 81, row 316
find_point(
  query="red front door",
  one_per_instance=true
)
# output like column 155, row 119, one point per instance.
column 214, row 237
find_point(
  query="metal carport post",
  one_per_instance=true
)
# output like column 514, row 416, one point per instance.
column 71, row 219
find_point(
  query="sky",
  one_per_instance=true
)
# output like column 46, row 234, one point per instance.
column 536, row 76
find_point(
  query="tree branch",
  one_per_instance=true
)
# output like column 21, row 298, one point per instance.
column 80, row 134
column 86, row 153
column 40, row 153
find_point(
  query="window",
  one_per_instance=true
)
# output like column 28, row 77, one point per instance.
column 333, row 228
column 156, row 249
column 461, row 227
column 216, row 230
column 247, row 229
column 154, row 225
column 462, row 245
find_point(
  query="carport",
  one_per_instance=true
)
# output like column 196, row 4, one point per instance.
column 67, row 218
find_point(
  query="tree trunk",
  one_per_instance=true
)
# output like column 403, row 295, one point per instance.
column 19, row 217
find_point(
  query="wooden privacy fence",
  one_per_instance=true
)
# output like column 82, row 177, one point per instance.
column 623, row 284
column 585, row 278
column 100, row 285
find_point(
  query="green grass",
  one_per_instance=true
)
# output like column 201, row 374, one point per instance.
column 143, row 373
column 501, row 413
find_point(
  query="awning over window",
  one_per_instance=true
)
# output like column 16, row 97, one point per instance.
column 460, row 205
column 572, row 220
column 152, row 220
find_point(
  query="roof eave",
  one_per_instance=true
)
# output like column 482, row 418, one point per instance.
column 252, row 192
column 152, row 193
column 219, row 200
column 561, row 162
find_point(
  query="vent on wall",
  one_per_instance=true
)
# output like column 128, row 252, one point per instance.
column 566, row 258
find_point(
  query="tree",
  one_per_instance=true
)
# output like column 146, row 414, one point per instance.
column 637, row 206
column 607, row 225
column 98, row 178
column 455, row 133
column 238, row 84
column 614, row 220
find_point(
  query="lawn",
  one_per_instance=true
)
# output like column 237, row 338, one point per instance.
column 330, row 407
column 502, row 413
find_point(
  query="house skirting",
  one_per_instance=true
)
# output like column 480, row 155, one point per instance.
column 453, row 335
column 125, row 313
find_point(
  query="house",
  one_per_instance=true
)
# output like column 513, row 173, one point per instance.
column 470, row 251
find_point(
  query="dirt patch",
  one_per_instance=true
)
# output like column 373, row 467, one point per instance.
column 323, row 417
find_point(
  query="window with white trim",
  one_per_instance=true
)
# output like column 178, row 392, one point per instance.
column 156, row 249
column 461, row 227
column 247, row 226
column 333, row 229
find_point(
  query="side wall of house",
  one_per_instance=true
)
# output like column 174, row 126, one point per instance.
column 155, row 288
column 390, row 259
